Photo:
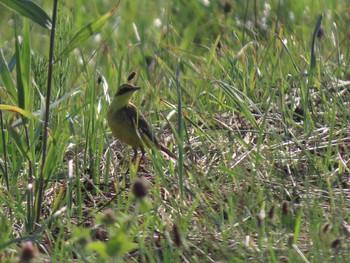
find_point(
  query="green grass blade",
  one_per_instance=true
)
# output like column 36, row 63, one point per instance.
column 53, row 105
column 20, row 84
column 17, row 110
column 18, row 139
column 241, row 101
column 55, row 153
column 289, row 54
column 297, row 228
column 180, row 131
column 30, row 10
column 6, row 78
column 89, row 30
column 26, row 64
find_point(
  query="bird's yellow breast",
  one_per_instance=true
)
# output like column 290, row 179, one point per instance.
column 123, row 127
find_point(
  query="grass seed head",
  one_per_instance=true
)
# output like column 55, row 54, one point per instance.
column 140, row 188
column 336, row 244
column 322, row 33
column 326, row 228
column 29, row 252
column 131, row 76
column 108, row 217
column 177, row 235
column 271, row 213
column 285, row 208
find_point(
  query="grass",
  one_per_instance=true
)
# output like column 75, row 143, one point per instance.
column 232, row 87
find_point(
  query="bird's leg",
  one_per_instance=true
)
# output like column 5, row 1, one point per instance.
column 133, row 161
column 143, row 152
column 135, row 155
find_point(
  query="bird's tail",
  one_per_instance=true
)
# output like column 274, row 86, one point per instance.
column 168, row 152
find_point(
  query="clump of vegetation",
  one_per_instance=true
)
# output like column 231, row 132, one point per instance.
column 251, row 96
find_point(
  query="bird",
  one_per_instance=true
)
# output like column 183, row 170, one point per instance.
column 129, row 125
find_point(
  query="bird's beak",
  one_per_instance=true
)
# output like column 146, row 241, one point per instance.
column 134, row 88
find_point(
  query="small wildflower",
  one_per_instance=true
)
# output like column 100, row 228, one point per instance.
column 157, row 22
column 98, row 38
column 206, row 2
column 260, row 217
column 70, row 169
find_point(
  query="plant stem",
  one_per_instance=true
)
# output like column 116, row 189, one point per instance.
column 47, row 113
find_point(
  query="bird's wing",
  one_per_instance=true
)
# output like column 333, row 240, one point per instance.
column 141, row 123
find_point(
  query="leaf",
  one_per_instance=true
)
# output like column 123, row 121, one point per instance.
column 189, row 37
column 99, row 247
column 298, row 226
column 6, row 77
column 30, row 10
column 119, row 245
column 242, row 102
column 20, row 84
column 65, row 97
column 23, row 68
column 89, row 30
column 20, row 143
column 17, row 110
column 289, row 54
column 213, row 51
column 55, row 154
column 241, row 52
column 25, row 58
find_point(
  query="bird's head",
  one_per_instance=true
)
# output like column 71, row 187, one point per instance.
column 124, row 94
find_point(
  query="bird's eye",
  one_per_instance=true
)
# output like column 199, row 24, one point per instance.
column 122, row 90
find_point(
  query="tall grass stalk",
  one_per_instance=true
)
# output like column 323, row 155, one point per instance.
column 41, row 182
